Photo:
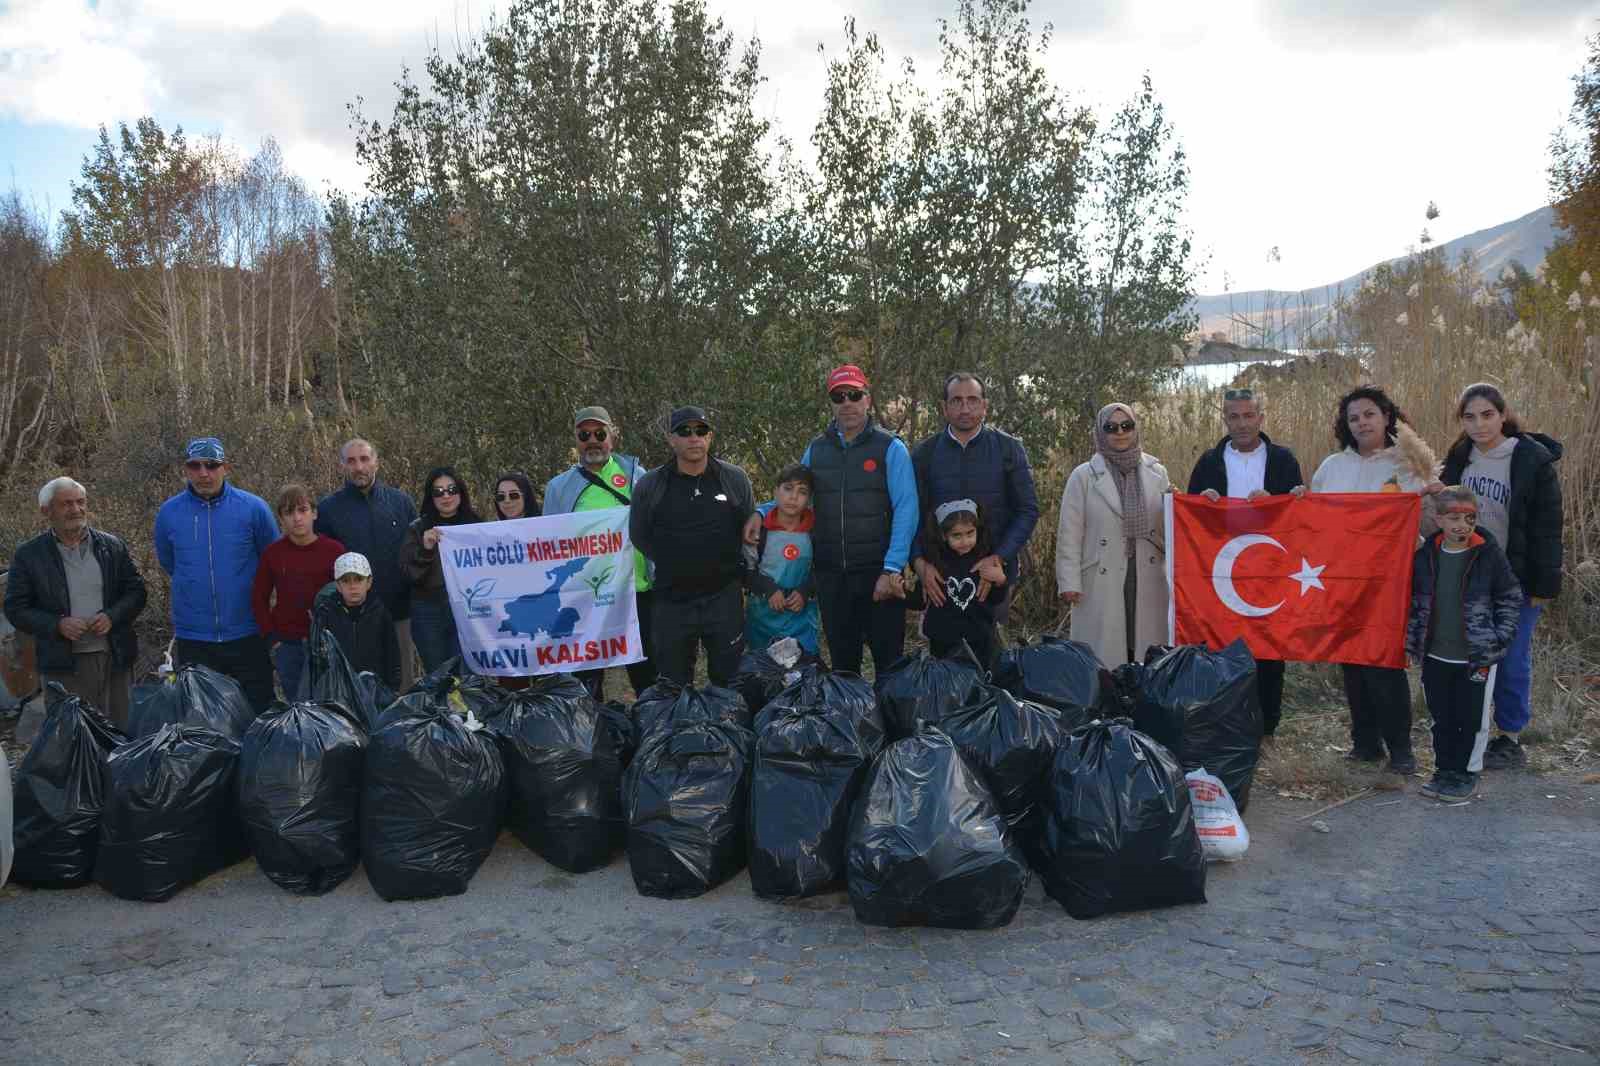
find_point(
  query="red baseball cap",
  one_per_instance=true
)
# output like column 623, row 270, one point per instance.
column 847, row 375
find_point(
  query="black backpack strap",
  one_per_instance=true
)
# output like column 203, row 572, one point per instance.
column 596, row 480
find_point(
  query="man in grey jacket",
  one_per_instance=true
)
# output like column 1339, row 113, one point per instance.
column 688, row 519
column 603, row 478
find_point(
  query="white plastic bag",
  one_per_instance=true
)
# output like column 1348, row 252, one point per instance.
column 1216, row 819
column 6, row 848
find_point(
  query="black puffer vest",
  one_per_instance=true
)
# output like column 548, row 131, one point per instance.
column 854, row 512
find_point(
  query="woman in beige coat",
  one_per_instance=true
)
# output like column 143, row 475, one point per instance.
column 1110, row 544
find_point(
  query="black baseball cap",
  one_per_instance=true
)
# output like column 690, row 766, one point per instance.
column 682, row 416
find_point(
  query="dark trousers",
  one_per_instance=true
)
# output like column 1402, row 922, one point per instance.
column 1460, row 704
column 642, row 674
column 850, row 619
column 433, row 630
column 681, row 626
column 948, row 627
column 1269, row 685
column 1380, row 709
column 245, row 660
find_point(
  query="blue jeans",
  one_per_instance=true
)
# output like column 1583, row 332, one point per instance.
column 290, row 660
column 433, row 630
column 1514, row 679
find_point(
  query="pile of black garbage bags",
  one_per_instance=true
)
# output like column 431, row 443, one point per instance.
column 931, row 797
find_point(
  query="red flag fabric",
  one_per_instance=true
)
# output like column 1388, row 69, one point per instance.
column 1325, row 577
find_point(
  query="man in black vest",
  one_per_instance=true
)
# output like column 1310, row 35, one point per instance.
column 866, row 508
column 970, row 460
column 1246, row 465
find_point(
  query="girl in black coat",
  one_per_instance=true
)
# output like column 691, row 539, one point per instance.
column 1513, row 474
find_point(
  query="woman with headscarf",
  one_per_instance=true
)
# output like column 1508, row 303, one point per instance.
column 1110, row 543
column 433, row 627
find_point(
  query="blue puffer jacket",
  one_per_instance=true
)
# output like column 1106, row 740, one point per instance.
column 210, row 549
column 1491, row 600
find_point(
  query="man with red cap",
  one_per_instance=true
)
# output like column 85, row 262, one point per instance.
column 866, row 517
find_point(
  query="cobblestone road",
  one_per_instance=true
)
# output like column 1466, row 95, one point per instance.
column 1409, row 933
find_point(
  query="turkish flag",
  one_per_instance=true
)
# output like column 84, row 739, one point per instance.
column 1325, row 577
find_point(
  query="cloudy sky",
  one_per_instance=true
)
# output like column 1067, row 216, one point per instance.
column 1319, row 127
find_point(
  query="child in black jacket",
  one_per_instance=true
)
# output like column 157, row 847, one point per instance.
column 1465, row 607
column 974, row 583
column 359, row 621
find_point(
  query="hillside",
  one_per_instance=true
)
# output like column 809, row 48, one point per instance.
column 1279, row 318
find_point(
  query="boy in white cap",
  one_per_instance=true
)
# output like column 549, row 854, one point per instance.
column 359, row 621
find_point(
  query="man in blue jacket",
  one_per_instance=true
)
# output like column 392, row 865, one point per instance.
column 866, row 508
column 971, row 460
column 209, row 540
column 603, row 477
column 370, row 518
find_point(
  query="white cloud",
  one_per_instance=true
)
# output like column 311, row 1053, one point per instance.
column 1321, row 129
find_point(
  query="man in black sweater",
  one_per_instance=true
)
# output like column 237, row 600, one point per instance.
column 687, row 517
column 1246, row 465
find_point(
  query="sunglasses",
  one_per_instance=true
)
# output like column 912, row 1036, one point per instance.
column 502, row 497
column 1238, row 394
column 584, row 435
column 693, row 431
column 841, row 395
column 1125, row 426
column 446, row 490
column 203, row 464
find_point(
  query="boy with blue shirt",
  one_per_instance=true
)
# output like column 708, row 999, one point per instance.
column 782, row 600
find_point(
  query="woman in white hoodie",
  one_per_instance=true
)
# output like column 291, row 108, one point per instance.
column 1379, row 697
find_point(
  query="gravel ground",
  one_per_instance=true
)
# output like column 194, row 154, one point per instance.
column 1409, row 932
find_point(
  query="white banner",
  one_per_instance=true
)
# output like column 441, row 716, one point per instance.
column 543, row 595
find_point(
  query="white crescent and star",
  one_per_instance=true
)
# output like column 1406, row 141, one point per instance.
column 1308, row 576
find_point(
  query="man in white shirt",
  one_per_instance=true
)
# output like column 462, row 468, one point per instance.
column 1246, row 465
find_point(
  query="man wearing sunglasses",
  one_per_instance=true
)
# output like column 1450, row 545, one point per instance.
column 370, row 518
column 866, row 508
column 603, row 477
column 1246, row 465
column 972, row 460
column 686, row 517
column 209, row 539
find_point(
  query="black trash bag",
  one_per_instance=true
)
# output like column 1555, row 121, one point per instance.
column 815, row 742
column 171, row 816
column 374, row 694
column 563, row 762
column 1119, row 831
column 329, row 679
column 686, row 795
column 1204, row 706
column 194, row 696
column 60, row 792
column 465, row 690
column 1060, row 673
column 300, row 794
column 923, row 688
column 668, row 702
column 618, row 717
column 432, row 796
column 760, row 677
column 1012, row 744
column 1128, row 679
column 928, row 844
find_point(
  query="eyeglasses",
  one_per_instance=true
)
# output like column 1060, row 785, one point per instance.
column 584, row 435
column 1238, row 394
column 203, row 464
column 441, row 491
column 694, row 431
column 1125, row 426
column 841, row 395
column 503, row 497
